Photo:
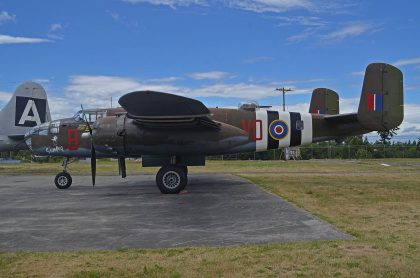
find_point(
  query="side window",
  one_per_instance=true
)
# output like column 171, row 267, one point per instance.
column 100, row 115
column 43, row 129
column 299, row 125
column 55, row 127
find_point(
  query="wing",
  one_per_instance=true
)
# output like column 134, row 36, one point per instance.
column 156, row 109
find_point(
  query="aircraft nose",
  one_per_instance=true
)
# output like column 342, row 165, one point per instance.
column 42, row 129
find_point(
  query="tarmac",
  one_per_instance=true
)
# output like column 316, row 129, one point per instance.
column 218, row 210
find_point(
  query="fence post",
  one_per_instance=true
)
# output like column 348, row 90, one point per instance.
column 329, row 150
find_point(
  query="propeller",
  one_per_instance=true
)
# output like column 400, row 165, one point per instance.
column 92, row 150
column 121, row 167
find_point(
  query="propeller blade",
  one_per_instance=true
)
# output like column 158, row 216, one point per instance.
column 93, row 164
column 121, row 167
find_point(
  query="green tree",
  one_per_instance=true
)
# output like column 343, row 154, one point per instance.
column 387, row 135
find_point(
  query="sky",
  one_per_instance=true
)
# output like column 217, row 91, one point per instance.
column 222, row 52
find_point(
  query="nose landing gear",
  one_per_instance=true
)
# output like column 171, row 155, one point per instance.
column 63, row 179
column 172, row 179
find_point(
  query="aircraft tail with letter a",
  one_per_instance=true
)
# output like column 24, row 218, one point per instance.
column 28, row 107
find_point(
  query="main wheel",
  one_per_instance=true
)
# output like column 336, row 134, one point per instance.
column 63, row 180
column 171, row 179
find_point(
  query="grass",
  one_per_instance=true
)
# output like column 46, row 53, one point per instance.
column 106, row 167
column 379, row 206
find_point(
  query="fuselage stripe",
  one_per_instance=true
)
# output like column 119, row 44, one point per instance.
column 272, row 143
column 295, row 135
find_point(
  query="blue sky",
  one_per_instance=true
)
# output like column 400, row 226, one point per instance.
column 221, row 52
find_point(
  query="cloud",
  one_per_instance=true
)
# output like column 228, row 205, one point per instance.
column 6, row 17
column 6, row 39
column 411, row 123
column 275, row 6
column 350, row 31
column 210, row 75
column 313, row 80
column 171, row 3
column 96, row 91
column 165, row 79
column 5, row 97
column 257, row 60
column 54, row 31
column 258, row 6
column 129, row 23
column 308, row 21
column 302, row 36
column 241, row 91
column 325, row 34
column 358, row 73
column 56, row 27
column 406, row 62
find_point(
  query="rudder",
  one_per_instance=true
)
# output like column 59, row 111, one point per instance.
column 381, row 103
column 28, row 107
column 324, row 101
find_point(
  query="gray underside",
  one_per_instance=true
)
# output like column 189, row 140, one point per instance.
column 219, row 210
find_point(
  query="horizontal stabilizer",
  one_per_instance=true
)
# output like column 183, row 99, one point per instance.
column 16, row 136
column 341, row 118
column 157, row 105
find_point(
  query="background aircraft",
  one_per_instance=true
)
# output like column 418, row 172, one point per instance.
column 27, row 108
column 174, row 132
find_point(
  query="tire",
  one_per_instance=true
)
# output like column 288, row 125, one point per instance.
column 171, row 179
column 63, row 180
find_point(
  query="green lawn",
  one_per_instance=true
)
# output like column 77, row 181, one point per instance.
column 378, row 205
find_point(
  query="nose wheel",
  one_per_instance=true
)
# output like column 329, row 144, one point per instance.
column 63, row 180
column 172, row 179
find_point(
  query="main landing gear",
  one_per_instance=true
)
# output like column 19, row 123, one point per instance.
column 172, row 179
column 63, row 179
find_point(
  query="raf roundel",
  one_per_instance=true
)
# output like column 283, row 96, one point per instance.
column 278, row 130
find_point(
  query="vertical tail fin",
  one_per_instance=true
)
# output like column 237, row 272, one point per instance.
column 324, row 101
column 381, row 104
column 28, row 107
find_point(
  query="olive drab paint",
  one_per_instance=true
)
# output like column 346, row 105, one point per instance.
column 165, row 128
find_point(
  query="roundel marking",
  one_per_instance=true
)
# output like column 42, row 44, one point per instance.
column 278, row 130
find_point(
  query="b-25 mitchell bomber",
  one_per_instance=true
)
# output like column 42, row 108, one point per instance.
column 174, row 132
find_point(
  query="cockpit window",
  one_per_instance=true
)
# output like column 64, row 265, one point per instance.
column 90, row 116
column 55, row 127
column 43, row 129
column 79, row 117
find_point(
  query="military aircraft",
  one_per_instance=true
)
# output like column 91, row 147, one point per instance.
column 174, row 132
column 27, row 108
